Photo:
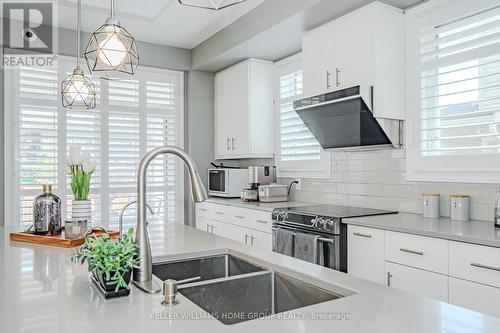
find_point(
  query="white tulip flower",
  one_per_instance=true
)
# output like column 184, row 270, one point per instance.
column 75, row 153
column 68, row 170
column 85, row 157
column 88, row 166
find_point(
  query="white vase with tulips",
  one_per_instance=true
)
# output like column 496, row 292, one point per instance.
column 80, row 168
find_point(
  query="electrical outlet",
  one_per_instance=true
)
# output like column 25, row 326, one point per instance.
column 298, row 186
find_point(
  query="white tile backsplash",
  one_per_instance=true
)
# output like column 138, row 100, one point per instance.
column 377, row 179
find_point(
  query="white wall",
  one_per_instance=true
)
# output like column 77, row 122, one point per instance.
column 378, row 180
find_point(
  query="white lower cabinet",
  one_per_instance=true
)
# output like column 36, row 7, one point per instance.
column 203, row 223
column 417, row 281
column 475, row 296
column 258, row 239
column 365, row 253
column 243, row 225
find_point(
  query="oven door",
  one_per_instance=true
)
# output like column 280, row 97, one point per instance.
column 217, row 182
column 330, row 245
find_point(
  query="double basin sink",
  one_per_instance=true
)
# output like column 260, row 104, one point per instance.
column 234, row 290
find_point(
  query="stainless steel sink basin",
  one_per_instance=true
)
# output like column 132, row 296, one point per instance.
column 241, row 298
column 208, row 268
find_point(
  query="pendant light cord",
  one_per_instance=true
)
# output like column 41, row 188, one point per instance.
column 112, row 8
column 78, row 33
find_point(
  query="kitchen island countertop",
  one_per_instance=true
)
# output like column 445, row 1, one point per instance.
column 42, row 291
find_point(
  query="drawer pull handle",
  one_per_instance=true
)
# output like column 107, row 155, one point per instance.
column 420, row 253
column 361, row 235
column 239, row 216
column 485, row 266
column 261, row 221
column 203, row 209
column 219, row 213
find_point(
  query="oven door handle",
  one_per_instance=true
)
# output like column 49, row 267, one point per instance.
column 321, row 239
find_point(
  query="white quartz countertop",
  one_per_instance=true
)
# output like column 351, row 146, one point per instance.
column 42, row 291
column 476, row 232
column 268, row 207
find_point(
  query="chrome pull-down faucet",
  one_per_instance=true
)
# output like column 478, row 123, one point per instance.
column 143, row 275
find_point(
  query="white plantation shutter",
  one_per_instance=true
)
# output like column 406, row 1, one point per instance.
column 131, row 118
column 297, row 152
column 37, row 136
column 456, row 86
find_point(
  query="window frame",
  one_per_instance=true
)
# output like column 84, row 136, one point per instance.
column 452, row 168
column 11, row 142
column 293, row 169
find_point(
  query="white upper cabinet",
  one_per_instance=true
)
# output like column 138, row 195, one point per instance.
column 244, row 111
column 318, row 61
column 365, row 47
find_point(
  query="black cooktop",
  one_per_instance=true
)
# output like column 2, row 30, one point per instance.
column 338, row 211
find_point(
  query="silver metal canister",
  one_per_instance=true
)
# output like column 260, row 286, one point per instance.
column 47, row 213
column 460, row 207
column 431, row 205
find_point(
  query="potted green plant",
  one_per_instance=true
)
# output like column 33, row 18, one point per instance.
column 80, row 168
column 110, row 262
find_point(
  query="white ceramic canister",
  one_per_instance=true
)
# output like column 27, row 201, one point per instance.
column 81, row 210
column 460, row 207
column 431, row 205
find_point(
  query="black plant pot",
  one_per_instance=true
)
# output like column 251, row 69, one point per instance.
column 108, row 290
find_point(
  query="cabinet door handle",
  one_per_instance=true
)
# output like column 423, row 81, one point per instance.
column 251, row 240
column 261, row 221
column 337, row 82
column 219, row 213
column 246, row 239
column 420, row 253
column 232, row 144
column 491, row 268
column 208, row 225
column 228, row 144
column 239, row 216
column 328, row 85
column 389, row 275
column 361, row 235
column 203, row 209
column 212, row 228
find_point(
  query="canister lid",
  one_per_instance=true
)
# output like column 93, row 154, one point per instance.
column 47, row 188
column 431, row 194
column 459, row 195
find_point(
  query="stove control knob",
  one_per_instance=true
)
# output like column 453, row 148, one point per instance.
column 318, row 223
column 329, row 225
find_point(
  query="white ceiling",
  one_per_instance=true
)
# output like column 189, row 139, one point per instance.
column 163, row 22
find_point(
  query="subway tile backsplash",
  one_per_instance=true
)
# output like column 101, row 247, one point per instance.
column 377, row 179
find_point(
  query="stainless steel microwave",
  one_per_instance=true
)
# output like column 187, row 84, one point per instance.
column 227, row 183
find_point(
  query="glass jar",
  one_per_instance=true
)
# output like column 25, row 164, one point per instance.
column 47, row 213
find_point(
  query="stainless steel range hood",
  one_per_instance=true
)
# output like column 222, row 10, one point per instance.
column 344, row 119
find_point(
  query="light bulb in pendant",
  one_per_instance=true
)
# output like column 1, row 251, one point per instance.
column 112, row 51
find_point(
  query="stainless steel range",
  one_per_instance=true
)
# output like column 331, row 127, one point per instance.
column 325, row 222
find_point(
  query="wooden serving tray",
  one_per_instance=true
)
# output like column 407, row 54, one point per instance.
column 57, row 240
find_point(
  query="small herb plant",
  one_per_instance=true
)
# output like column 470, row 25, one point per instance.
column 112, row 258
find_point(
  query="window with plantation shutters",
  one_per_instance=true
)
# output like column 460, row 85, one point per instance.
column 297, row 151
column 131, row 118
column 454, row 92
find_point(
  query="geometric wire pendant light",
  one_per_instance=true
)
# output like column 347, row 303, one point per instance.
column 111, row 52
column 77, row 91
column 210, row 4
